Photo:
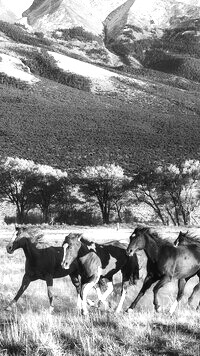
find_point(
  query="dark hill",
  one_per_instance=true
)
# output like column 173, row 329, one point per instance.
column 69, row 128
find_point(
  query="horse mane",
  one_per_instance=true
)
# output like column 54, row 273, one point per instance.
column 115, row 243
column 35, row 236
column 156, row 237
column 191, row 238
column 86, row 241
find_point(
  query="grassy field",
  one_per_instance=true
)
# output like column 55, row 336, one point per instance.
column 29, row 329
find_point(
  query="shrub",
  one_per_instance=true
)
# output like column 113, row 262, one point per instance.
column 13, row 82
column 18, row 34
column 77, row 217
column 44, row 65
column 75, row 33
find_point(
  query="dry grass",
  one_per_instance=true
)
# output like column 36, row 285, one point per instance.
column 30, row 329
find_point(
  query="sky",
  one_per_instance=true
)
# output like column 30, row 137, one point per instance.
column 17, row 6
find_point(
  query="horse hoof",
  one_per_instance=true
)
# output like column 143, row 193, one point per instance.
column 90, row 302
column 173, row 307
column 158, row 309
column 11, row 306
column 129, row 311
column 51, row 310
column 84, row 312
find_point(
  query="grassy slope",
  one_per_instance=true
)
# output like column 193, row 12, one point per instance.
column 66, row 127
column 31, row 330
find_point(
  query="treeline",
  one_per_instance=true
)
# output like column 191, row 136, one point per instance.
column 99, row 194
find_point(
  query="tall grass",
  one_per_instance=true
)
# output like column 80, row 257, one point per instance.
column 29, row 328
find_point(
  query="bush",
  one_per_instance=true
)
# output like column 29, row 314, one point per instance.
column 44, row 65
column 13, row 82
column 18, row 34
column 75, row 33
column 31, row 218
column 77, row 217
column 10, row 220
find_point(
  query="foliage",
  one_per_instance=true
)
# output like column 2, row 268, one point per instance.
column 13, row 82
column 26, row 185
column 77, row 217
column 83, row 129
column 105, row 184
column 170, row 190
column 43, row 64
column 18, row 34
column 77, row 33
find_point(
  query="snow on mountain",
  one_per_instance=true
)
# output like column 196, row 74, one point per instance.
column 11, row 10
column 13, row 67
column 47, row 15
column 102, row 80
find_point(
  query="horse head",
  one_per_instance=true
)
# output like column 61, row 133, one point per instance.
column 136, row 241
column 16, row 238
column 181, row 239
column 71, row 246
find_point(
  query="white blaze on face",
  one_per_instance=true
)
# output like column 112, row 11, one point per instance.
column 64, row 264
column 13, row 237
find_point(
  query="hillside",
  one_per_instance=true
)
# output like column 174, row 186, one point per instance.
column 130, row 116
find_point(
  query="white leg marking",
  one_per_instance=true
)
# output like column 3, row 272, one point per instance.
column 119, row 308
column 173, row 307
column 86, row 290
column 108, row 291
column 79, row 302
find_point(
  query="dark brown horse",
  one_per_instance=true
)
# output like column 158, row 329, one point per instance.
column 100, row 261
column 44, row 263
column 164, row 263
column 192, row 243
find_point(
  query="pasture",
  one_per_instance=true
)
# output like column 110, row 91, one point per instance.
column 29, row 328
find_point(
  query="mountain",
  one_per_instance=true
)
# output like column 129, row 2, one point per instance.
column 151, row 15
column 68, row 101
column 11, row 11
column 6, row 14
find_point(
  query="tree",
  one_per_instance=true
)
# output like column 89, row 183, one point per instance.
column 104, row 183
column 180, row 185
column 170, row 190
column 49, row 185
column 16, row 184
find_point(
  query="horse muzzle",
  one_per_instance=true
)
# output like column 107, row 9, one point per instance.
column 129, row 252
column 10, row 249
column 65, row 265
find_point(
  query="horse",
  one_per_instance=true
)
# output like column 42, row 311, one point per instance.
column 100, row 262
column 41, row 263
column 164, row 263
column 192, row 242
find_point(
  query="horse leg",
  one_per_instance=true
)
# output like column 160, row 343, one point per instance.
column 160, row 284
column 86, row 288
column 123, row 295
column 196, row 289
column 25, row 283
column 77, row 284
column 149, row 280
column 49, row 282
column 102, row 297
column 181, row 285
column 127, row 275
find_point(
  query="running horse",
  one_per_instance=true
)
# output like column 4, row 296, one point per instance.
column 41, row 263
column 164, row 263
column 193, row 244
column 100, row 262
